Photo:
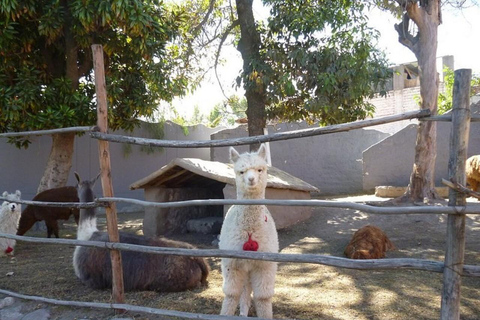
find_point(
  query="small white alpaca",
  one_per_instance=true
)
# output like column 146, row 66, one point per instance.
column 251, row 228
column 9, row 216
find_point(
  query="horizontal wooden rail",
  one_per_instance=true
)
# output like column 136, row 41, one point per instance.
column 469, row 209
column 60, row 204
column 122, row 306
column 422, row 115
column 448, row 118
column 265, row 138
column 103, row 202
column 373, row 264
column 46, row 132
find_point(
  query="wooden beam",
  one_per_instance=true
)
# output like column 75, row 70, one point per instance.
column 106, row 175
column 173, row 176
column 462, row 189
column 309, row 132
column 455, row 250
column 340, row 262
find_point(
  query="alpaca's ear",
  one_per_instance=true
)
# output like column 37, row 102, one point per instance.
column 77, row 176
column 234, row 154
column 18, row 193
column 96, row 178
column 262, row 151
column 5, row 194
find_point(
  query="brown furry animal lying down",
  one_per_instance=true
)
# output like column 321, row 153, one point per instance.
column 472, row 171
column 141, row 271
column 368, row 242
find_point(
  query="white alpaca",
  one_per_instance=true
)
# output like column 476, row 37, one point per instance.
column 249, row 227
column 9, row 216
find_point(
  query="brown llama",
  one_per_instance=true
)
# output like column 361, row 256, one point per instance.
column 368, row 242
column 141, row 271
column 50, row 215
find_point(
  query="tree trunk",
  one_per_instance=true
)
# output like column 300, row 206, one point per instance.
column 427, row 18
column 249, row 47
column 59, row 162
column 71, row 50
column 60, row 158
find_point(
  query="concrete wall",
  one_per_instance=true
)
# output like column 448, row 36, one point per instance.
column 341, row 163
column 332, row 162
column 390, row 161
column 23, row 169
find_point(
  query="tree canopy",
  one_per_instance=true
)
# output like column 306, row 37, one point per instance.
column 46, row 78
column 445, row 98
column 46, row 61
column 320, row 61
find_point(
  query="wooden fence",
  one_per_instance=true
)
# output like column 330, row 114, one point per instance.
column 452, row 268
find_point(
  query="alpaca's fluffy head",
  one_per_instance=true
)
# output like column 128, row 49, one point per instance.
column 11, row 204
column 250, row 171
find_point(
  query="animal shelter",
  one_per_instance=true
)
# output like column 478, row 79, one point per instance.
column 185, row 179
column 188, row 179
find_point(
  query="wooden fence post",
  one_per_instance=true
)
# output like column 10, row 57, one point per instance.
column 455, row 244
column 104, row 154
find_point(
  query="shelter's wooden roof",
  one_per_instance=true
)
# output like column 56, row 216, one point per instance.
column 191, row 172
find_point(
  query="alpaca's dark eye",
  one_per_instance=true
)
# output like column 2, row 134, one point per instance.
column 260, row 170
column 241, row 172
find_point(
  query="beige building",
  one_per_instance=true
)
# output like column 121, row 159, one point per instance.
column 404, row 91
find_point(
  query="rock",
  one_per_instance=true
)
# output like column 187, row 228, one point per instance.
column 8, row 301
column 11, row 313
column 40, row 314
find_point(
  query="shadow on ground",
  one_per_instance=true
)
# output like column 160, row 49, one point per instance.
column 303, row 291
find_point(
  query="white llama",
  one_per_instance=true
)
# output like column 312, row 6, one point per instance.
column 9, row 216
column 249, row 227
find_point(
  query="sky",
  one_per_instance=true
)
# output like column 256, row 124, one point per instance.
column 458, row 36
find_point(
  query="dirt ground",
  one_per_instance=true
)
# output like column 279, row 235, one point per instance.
column 303, row 291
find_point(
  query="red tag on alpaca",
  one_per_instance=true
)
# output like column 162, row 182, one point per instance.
column 250, row 245
column 9, row 249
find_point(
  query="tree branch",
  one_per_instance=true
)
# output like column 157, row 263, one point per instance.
column 459, row 188
column 217, row 54
column 205, row 19
column 427, row 5
column 404, row 36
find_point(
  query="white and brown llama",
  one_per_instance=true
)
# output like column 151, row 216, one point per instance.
column 250, row 228
column 141, row 271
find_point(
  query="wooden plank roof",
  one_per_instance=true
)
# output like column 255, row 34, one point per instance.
column 192, row 172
